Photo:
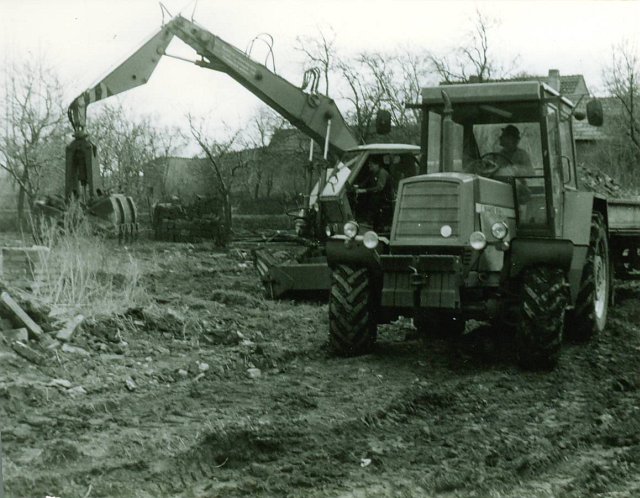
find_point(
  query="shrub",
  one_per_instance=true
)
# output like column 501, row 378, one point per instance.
column 84, row 272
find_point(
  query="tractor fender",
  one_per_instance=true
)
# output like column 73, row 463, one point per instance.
column 578, row 210
column 578, row 207
column 570, row 252
column 526, row 253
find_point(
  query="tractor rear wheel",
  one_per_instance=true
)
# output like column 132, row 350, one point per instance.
column 352, row 325
column 545, row 298
column 590, row 314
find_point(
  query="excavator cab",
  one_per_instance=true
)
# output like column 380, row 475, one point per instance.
column 339, row 202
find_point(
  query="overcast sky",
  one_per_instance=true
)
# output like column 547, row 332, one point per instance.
column 83, row 39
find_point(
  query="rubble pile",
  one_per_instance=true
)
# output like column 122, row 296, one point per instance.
column 594, row 180
column 31, row 330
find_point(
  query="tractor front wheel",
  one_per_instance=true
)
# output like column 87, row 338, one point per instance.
column 352, row 325
column 545, row 298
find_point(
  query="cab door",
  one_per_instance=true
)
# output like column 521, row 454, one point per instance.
column 554, row 181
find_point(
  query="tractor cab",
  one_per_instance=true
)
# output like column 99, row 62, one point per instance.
column 517, row 132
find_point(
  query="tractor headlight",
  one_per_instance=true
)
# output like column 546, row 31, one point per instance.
column 329, row 230
column 350, row 229
column 370, row 240
column 478, row 241
column 499, row 230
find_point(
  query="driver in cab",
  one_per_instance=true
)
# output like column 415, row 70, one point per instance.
column 380, row 189
column 511, row 159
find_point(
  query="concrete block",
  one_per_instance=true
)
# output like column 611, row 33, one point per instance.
column 69, row 329
column 22, row 263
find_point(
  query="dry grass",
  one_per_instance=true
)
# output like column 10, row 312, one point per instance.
column 86, row 273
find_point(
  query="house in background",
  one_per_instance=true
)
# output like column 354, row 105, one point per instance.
column 182, row 177
column 574, row 87
column 278, row 169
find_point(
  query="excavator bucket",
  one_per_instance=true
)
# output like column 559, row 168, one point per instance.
column 306, row 276
column 110, row 215
column 116, row 214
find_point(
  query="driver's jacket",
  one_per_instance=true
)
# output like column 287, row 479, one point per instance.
column 520, row 163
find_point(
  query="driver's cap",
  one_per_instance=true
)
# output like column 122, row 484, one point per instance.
column 511, row 131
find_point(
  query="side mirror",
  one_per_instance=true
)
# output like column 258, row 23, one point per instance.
column 383, row 122
column 595, row 115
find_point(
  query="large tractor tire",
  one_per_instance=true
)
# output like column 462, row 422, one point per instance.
column 545, row 298
column 352, row 325
column 589, row 316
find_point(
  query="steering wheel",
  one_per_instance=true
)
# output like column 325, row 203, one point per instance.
column 486, row 166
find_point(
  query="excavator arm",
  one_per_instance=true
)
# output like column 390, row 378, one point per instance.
column 315, row 114
column 133, row 72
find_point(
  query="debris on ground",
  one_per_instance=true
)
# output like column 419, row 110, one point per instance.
column 20, row 334
column 20, row 316
column 254, row 373
column 185, row 395
column 62, row 383
column 28, row 353
column 67, row 348
column 70, row 328
column 130, row 384
column 594, row 180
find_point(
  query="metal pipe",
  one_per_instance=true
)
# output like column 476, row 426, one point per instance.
column 447, row 134
column 326, row 140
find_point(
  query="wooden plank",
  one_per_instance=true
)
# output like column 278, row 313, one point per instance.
column 35, row 332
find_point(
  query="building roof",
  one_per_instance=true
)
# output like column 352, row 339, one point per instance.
column 570, row 84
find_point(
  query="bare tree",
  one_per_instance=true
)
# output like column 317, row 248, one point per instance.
column 263, row 163
column 319, row 53
column 225, row 163
column 365, row 92
column 127, row 145
column 33, row 129
column 474, row 59
column 622, row 80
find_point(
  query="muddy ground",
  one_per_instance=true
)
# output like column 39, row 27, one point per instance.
column 211, row 390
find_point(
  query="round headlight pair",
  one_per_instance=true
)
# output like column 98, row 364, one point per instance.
column 350, row 229
column 370, row 240
column 499, row 230
column 478, row 241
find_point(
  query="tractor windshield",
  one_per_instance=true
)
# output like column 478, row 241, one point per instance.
column 501, row 141
column 514, row 147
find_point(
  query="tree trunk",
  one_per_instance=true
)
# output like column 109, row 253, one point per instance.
column 256, row 186
column 22, row 194
column 228, row 219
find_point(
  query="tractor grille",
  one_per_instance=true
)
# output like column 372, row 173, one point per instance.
column 425, row 207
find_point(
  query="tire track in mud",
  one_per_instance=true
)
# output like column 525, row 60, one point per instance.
column 468, row 422
column 410, row 418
